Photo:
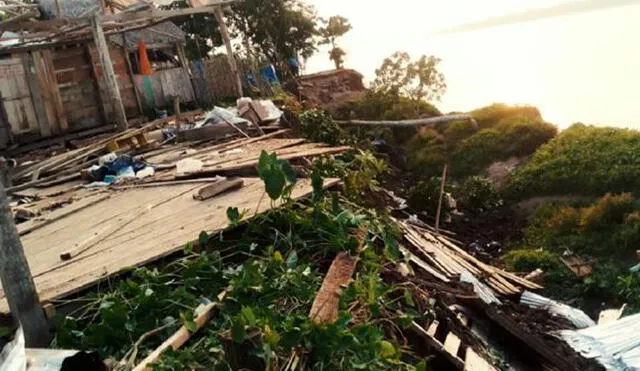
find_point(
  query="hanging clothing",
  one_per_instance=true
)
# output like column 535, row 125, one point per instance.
column 269, row 74
column 145, row 65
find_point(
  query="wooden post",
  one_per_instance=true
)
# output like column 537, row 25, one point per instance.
column 444, row 180
column 17, row 282
column 109, row 74
column 37, row 97
column 131, row 77
column 227, row 43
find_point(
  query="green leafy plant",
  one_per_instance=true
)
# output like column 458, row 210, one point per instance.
column 583, row 160
column 319, row 126
column 476, row 194
column 278, row 175
column 424, row 196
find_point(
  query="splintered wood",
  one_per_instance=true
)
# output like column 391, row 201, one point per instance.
column 445, row 261
column 325, row 305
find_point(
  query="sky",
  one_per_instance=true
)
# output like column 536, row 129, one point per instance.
column 578, row 61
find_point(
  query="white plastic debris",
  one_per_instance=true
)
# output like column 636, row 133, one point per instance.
column 145, row 173
column 13, row 356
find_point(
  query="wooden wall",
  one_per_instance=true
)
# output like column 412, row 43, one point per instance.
column 158, row 89
column 125, row 83
column 16, row 96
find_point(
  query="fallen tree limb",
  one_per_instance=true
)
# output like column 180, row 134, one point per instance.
column 412, row 123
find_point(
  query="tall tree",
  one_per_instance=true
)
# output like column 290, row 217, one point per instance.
column 276, row 29
column 331, row 30
column 417, row 80
column 201, row 31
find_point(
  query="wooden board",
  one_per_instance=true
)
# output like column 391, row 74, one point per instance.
column 135, row 242
column 16, row 97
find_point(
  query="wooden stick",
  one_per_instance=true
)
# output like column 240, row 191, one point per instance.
column 181, row 336
column 442, row 183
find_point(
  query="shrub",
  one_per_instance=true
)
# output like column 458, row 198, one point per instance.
column 607, row 212
column 319, row 126
column 581, row 160
column 424, row 196
column 521, row 135
column 489, row 116
column 379, row 106
column 528, row 260
column 474, row 154
column 477, row 194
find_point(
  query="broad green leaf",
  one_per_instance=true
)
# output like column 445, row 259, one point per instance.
column 233, row 214
column 248, row 316
column 387, row 349
column 274, row 184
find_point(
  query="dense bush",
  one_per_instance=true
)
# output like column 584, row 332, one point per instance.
column 581, row 160
column 476, row 194
column 380, row 106
column 606, row 232
column 319, row 126
column 528, row 260
column 505, row 131
column 424, row 196
column 489, row 116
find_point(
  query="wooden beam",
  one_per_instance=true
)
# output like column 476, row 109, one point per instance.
column 131, row 78
column 37, row 97
column 224, row 32
column 109, row 74
column 17, row 281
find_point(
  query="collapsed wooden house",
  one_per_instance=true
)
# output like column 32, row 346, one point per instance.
column 57, row 79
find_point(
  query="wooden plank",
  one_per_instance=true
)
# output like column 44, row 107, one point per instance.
column 37, row 97
column 61, row 114
column 180, row 337
column 217, row 188
column 56, row 215
column 109, row 74
column 437, row 346
column 325, row 304
column 473, row 362
column 144, row 240
column 452, row 344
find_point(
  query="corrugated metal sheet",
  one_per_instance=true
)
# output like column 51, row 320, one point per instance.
column 615, row 345
column 483, row 292
column 576, row 316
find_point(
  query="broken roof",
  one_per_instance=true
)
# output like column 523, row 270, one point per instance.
column 615, row 345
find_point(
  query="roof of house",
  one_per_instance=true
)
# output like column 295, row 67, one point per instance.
column 165, row 33
column 162, row 33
